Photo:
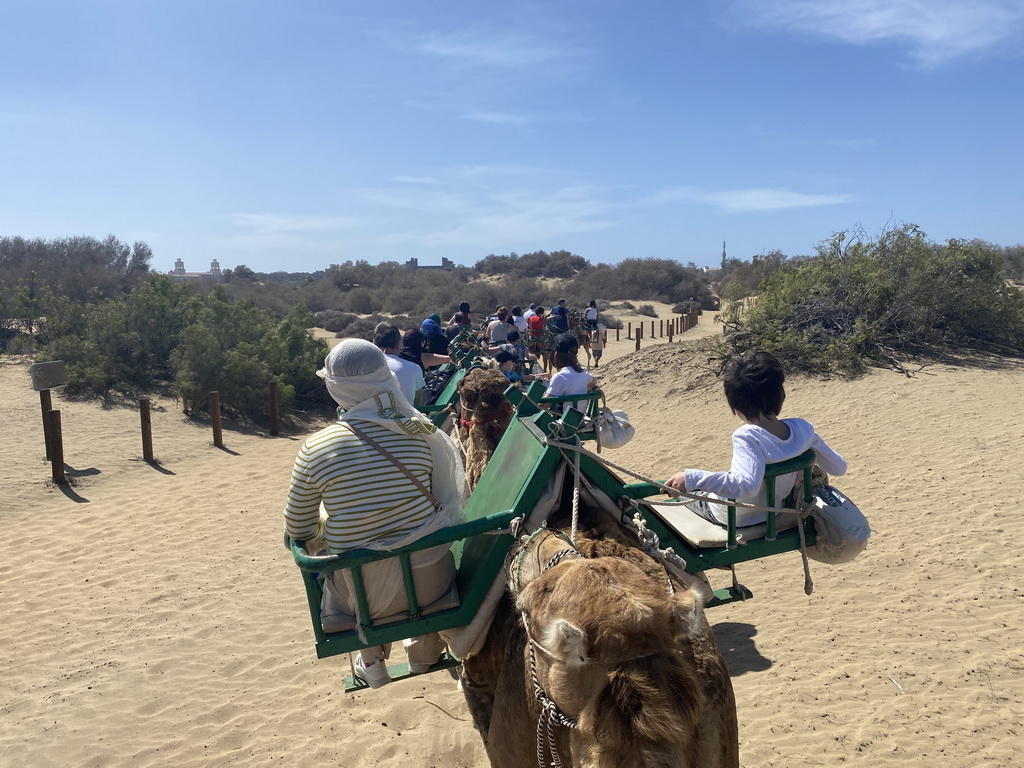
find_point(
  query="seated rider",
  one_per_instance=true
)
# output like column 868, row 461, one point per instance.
column 569, row 378
column 349, row 492
column 559, row 320
column 512, row 367
column 754, row 389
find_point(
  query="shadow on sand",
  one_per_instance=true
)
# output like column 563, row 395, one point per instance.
column 736, row 641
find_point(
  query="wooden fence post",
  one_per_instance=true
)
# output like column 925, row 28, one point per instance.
column 218, row 438
column 637, row 342
column 661, row 328
column 616, row 334
column 273, row 409
column 147, row 430
column 56, row 447
column 629, row 330
column 46, row 404
column 670, row 331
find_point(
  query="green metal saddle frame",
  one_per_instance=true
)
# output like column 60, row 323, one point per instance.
column 510, row 487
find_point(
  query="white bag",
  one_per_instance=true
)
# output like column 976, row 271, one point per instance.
column 842, row 530
column 613, row 428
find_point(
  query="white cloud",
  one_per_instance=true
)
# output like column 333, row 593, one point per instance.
column 752, row 200
column 498, row 49
column 276, row 223
column 498, row 118
column 935, row 30
column 740, row 200
column 418, row 180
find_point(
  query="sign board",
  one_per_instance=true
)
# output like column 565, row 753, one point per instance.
column 48, row 375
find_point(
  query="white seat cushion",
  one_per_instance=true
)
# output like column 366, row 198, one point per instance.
column 706, row 535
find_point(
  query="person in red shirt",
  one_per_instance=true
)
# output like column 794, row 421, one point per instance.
column 536, row 336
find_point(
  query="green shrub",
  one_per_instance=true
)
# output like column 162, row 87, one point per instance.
column 866, row 302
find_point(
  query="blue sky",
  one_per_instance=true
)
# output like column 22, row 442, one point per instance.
column 293, row 135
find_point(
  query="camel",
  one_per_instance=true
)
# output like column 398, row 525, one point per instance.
column 597, row 661
column 485, row 413
column 618, row 647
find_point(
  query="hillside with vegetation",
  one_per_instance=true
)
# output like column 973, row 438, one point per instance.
column 124, row 331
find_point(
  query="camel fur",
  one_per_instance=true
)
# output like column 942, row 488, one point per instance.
column 485, row 415
column 635, row 664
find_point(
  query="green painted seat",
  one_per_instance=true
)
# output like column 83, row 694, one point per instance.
column 519, row 479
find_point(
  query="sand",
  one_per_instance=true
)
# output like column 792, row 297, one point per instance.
column 151, row 616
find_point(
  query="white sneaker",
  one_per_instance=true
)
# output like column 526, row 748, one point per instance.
column 374, row 675
column 419, row 669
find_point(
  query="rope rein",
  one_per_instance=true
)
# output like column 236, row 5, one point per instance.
column 665, row 488
column 550, row 716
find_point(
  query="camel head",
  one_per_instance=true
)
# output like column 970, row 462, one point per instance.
column 485, row 415
column 608, row 643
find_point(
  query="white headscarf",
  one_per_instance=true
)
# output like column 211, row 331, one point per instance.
column 359, row 380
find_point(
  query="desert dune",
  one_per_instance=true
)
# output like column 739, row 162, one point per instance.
column 151, row 616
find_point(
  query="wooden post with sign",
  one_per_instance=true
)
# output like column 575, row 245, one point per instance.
column 47, row 376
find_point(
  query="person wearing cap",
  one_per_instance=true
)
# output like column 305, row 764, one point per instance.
column 433, row 335
column 349, row 494
column 531, row 311
column 559, row 320
column 507, row 364
column 467, row 316
column 569, row 377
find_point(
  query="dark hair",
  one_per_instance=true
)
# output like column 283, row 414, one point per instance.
column 753, row 383
column 539, row 310
column 512, row 335
column 412, row 346
column 517, row 310
column 593, row 304
column 464, row 306
column 386, row 335
column 504, row 356
column 565, row 349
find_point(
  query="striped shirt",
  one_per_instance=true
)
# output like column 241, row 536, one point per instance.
column 366, row 496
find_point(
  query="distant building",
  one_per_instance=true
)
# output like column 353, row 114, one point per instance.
column 179, row 273
column 414, row 263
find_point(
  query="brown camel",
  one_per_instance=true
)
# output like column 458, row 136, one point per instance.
column 485, row 415
column 596, row 654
